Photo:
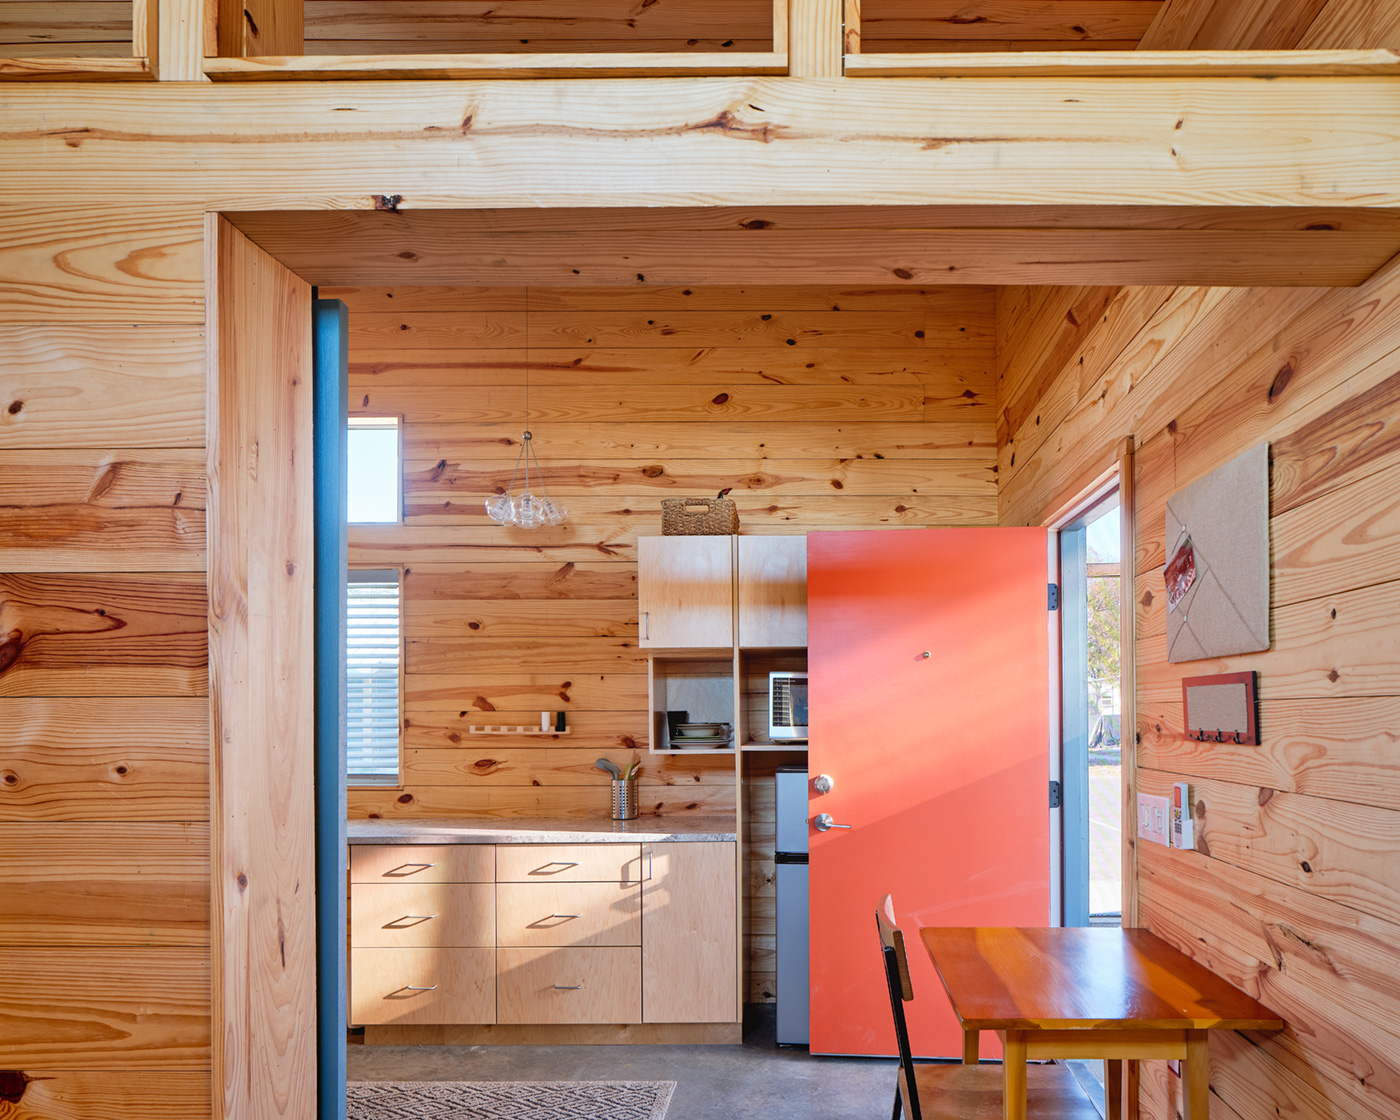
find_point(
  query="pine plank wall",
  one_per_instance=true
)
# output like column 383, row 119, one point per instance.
column 823, row 408
column 103, row 718
column 1293, row 891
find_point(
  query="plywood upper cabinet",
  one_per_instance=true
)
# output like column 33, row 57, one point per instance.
column 690, row 954
column 685, row 592
column 772, row 591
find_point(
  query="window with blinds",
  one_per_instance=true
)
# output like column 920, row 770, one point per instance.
column 372, row 654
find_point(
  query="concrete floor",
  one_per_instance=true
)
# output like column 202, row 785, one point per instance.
column 756, row 1079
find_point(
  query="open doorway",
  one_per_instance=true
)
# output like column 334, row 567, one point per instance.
column 1091, row 710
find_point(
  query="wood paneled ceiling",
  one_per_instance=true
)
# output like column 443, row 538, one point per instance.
column 1323, row 247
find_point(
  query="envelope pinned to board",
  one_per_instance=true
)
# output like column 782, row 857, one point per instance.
column 1218, row 561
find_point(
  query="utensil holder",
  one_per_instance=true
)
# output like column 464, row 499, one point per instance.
column 624, row 799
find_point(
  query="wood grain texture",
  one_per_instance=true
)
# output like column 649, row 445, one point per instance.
column 103, row 635
column 453, row 985
column 106, row 1008
column 1241, row 25
column 429, row 247
column 104, row 885
column 1058, row 26
column 608, row 24
column 261, row 683
column 538, row 985
column 104, row 759
column 99, row 386
column 689, row 950
column 133, row 264
column 1354, row 23
column 110, row 1094
column 73, row 511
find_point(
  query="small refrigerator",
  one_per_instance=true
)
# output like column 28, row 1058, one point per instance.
column 791, row 884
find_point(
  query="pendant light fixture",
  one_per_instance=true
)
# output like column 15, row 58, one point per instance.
column 526, row 510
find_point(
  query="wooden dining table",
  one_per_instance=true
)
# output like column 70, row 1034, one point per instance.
column 1121, row 995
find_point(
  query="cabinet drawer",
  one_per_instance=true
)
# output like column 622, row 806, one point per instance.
column 423, row 986
column 404, row 915
column 568, row 914
column 569, row 863
column 569, row 985
column 437, row 863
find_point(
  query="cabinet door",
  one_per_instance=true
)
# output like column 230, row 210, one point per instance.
column 772, row 591
column 685, row 591
column 690, row 957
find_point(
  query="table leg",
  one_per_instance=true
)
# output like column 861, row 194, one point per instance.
column 1195, row 1077
column 971, row 1055
column 1132, row 1109
column 1113, row 1089
column 1013, row 1064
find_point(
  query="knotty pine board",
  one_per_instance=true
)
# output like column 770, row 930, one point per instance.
column 111, row 1094
column 98, row 386
column 104, row 759
column 104, row 635
column 70, row 28
column 104, row 884
column 372, row 26
column 1292, row 888
column 920, row 25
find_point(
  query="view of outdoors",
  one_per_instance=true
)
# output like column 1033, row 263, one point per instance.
column 1105, row 730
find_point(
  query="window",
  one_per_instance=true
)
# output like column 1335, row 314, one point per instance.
column 372, row 664
column 373, row 474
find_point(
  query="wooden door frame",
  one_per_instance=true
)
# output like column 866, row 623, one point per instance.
column 261, row 681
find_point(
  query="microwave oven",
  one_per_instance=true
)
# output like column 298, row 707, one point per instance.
column 787, row 707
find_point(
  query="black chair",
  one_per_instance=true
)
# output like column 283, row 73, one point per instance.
column 963, row 1092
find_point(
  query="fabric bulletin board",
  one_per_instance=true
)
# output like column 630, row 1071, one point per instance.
column 1218, row 561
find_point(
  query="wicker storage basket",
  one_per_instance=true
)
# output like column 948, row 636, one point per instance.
column 699, row 517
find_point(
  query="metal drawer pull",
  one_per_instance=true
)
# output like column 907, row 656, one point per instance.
column 418, row 988
column 562, row 865
column 566, row 915
column 401, row 869
column 412, row 919
column 567, row 987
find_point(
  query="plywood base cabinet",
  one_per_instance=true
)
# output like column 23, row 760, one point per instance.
column 560, row 934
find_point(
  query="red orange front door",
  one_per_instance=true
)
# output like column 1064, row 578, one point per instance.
column 928, row 661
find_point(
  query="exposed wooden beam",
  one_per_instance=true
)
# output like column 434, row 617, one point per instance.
column 622, row 143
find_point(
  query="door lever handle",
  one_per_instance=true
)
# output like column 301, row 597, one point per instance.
column 823, row 822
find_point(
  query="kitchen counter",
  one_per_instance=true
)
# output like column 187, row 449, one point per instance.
column 539, row 830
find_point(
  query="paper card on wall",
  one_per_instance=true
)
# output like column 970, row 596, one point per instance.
column 1180, row 572
column 1225, row 607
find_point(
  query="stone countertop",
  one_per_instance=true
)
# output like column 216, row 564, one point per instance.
column 539, row 830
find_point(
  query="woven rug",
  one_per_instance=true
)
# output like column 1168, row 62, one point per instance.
column 508, row 1100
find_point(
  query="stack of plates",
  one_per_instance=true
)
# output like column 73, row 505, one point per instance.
column 701, row 736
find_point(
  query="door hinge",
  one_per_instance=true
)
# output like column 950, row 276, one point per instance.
column 1052, row 598
column 1055, row 795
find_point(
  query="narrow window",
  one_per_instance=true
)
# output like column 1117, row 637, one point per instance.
column 372, row 662
column 374, row 471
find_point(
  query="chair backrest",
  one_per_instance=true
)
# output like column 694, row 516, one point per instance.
column 901, row 991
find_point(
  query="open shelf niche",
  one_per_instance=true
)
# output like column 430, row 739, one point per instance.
column 754, row 665
column 699, row 682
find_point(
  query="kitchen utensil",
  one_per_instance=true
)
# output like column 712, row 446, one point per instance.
column 624, row 800
column 609, row 767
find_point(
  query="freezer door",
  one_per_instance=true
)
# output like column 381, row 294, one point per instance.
column 792, row 810
column 793, row 1028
